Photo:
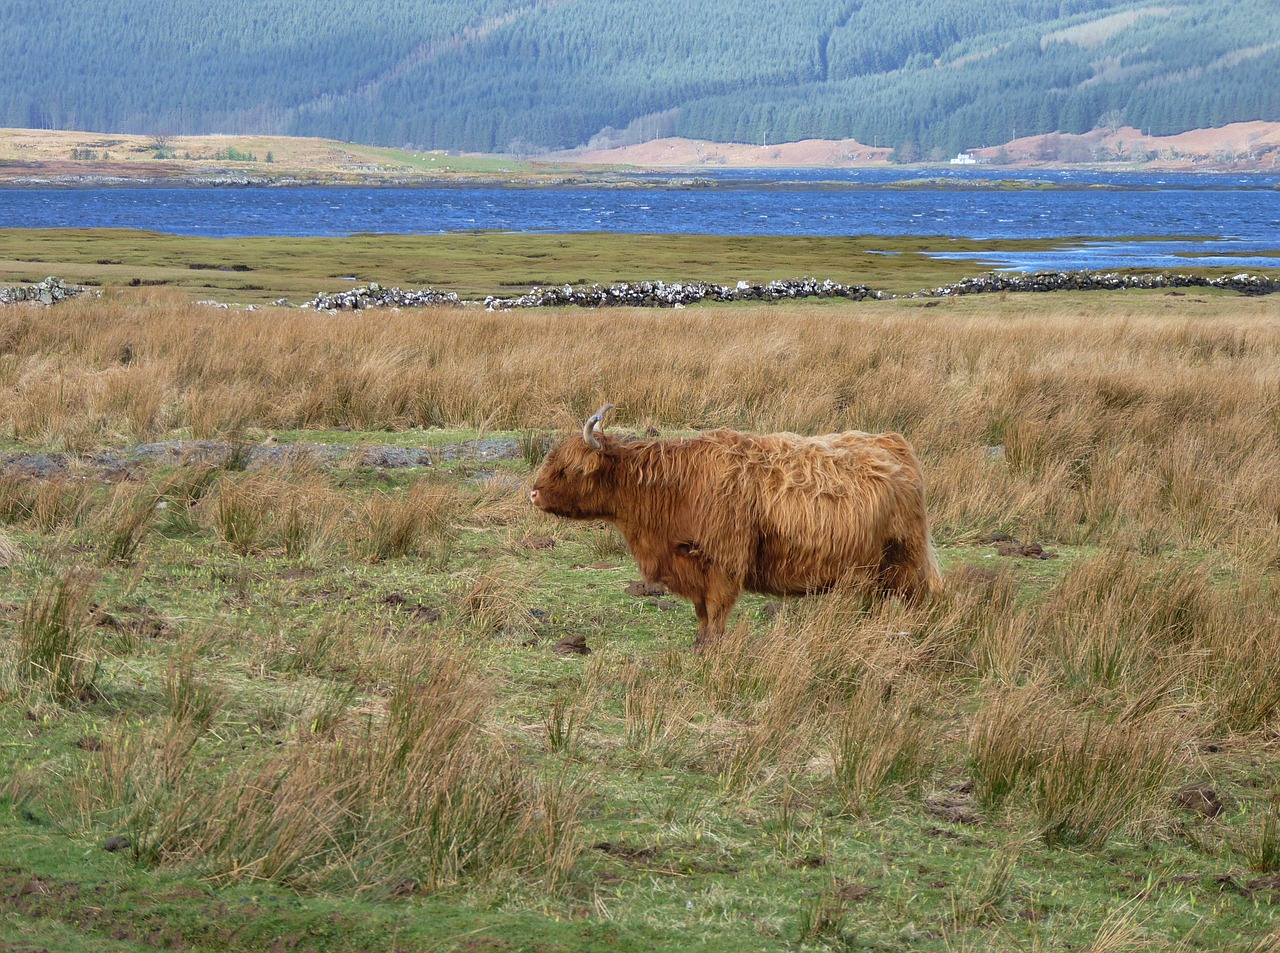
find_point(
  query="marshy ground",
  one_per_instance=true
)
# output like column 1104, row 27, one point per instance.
column 257, row 693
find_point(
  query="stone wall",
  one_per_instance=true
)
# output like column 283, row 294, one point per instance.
column 48, row 291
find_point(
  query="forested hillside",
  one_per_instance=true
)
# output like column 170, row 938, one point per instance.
column 525, row 75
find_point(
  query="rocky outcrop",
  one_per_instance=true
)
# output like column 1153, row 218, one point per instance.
column 49, row 291
column 374, row 295
column 658, row 294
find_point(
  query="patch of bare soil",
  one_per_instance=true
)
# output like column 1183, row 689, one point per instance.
column 645, row 590
column 138, row 621
column 632, row 855
column 419, row 611
column 1270, row 886
column 692, row 153
column 1242, row 146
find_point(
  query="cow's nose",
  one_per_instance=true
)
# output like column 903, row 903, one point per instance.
column 533, row 497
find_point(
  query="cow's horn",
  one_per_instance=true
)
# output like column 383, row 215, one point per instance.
column 595, row 422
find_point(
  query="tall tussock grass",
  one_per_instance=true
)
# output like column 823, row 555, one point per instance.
column 419, row 795
column 420, row 522
column 1083, row 778
column 123, row 525
column 878, row 740
column 52, row 653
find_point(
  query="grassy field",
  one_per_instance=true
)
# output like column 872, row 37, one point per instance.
column 259, row 699
column 257, row 270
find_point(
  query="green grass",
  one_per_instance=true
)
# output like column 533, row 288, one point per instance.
column 475, row 264
column 253, row 650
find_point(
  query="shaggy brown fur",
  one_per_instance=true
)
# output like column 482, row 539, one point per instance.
column 711, row 515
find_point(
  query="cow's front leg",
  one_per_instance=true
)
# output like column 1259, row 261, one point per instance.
column 701, row 640
column 713, row 609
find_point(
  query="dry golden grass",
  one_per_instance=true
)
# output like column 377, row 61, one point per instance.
column 1099, row 411
column 412, row 796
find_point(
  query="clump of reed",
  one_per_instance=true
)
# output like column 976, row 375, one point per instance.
column 123, row 524
column 495, row 600
column 1262, row 848
column 420, row 522
column 418, row 793
column 52, row 653
column 10, row 551
column 879, row 739
column 1083, row 778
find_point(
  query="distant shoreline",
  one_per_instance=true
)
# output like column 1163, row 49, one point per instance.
column 722, row 179
column 61, row 159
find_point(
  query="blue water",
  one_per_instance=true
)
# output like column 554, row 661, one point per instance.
column 1235, row 218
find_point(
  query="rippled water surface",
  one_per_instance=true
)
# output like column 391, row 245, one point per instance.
column 1234, row 218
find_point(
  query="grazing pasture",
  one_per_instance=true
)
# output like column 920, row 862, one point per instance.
column 290, row 661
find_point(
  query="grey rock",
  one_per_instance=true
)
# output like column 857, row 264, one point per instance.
column 47, row 292
column 658, row 294
column 376, row 296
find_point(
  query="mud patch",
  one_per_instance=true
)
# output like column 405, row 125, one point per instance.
column 632, row 855
column 953, row 810
column 422, row 613
column 1008, row 546
column 572, row 644
column 138, row 621
column 809, row 862
column 1200, row 798
column 644, row 590
column 851, row 892
column 1268, row 886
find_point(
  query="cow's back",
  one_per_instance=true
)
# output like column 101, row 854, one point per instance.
column 832, row 510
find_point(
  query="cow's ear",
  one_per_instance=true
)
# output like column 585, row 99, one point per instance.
column 595, row 458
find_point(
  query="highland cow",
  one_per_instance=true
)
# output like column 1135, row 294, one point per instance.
column 712, row 515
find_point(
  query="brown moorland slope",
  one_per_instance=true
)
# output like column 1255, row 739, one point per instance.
column 1244, row 145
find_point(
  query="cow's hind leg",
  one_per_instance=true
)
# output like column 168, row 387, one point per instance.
column 904, row 569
